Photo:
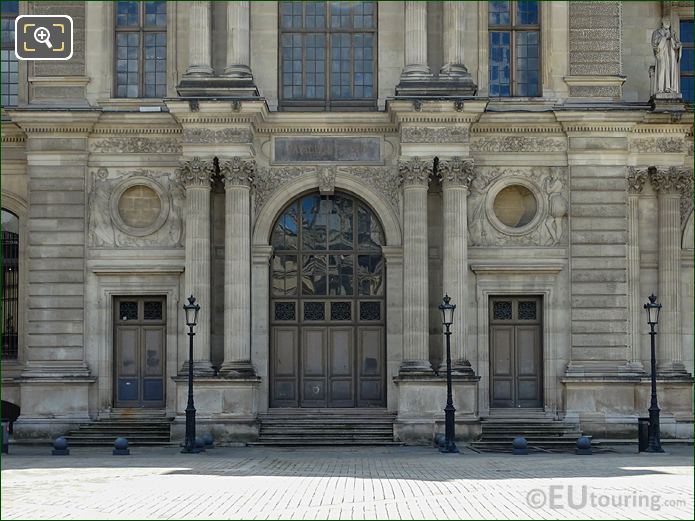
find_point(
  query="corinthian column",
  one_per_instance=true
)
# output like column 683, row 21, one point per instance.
column 196, row 176
column 416, row 41
column 199, row 56
column 237, row 176
column 238, row 58
column 415, row 174
column 453, row 39
column 456, row 175
column 635, row 183
column 669, row 184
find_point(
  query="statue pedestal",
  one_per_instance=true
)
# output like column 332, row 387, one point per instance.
column 667, row 102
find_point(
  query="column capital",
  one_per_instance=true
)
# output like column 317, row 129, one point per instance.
column 456, row 171
column 672, row 179
column 196, row 172
column 415, row 171
column 636, row 178
column 238, row 171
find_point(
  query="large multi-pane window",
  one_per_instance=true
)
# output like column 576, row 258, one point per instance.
column 686, row 34
column 328, row 54
column 9, row 66
column 10, row 285
column 514, row 48
column 141, row 49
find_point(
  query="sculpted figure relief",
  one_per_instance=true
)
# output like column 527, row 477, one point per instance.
column 667, row 50
column 557, row 206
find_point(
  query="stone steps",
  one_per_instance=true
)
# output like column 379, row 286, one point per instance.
column 138, row 431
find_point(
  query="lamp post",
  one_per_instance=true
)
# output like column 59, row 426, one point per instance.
column 447, row 310
column 191, row 309
column 653, row 308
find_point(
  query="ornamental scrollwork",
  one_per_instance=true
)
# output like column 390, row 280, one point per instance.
column 138, row 145
column 225, row 135
column 658, row 145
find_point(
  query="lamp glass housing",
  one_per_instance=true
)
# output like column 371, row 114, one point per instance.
column 447, row 310
column 191, row 309
column 653, row 308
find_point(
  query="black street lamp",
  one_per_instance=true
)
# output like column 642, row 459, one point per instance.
column 447, row 310
column 653, row 308
column 191, row 310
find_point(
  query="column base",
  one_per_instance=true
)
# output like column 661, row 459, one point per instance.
column 200, row 368
column 238, row 369
column 238, row 71
column 199, row 70
column 671, row 369
column 223, row 86
column 416, row 367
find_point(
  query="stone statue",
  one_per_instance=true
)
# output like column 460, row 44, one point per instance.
column 667, row 50
column 557, row 207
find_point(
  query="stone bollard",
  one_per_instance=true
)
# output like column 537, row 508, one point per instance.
column 439, row 439
column 208, row 440
column 60, row 447
column 199, row 444
column 519, row 446
column 583, row 446
column 120, row 447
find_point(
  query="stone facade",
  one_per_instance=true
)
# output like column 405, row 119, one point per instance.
column 182, row 197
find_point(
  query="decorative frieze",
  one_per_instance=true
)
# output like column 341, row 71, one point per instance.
column 196, row 172
column 518, row 144
column 225, row 135
column 456, row 171
column 658, row 145
column 113, row 218
column 137, row 145
column 546, row 222
column 415, row 171
column 453, row 134
column 636, row 178
column 238, row 171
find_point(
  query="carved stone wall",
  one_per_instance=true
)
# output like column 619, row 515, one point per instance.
column 105, row 225
column 548, row 227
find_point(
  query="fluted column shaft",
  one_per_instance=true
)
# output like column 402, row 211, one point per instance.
column 669, row 183
column 238, row 54
column 453, row 36
column 199, row 39
column 415, row 175
column 456, row 176
column 416, row 39
column 237, row 175
column 196, row 176
column 636, row 181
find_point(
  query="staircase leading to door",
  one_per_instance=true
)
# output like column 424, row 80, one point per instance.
column 543, row 434
column 327, row 427
column 139, row 427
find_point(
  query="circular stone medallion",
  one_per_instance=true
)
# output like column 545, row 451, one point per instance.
column 515, row 206
column 139, row 206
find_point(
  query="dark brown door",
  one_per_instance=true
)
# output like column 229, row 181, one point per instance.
column 327, row 305
column 140, row 354
column 516, row 352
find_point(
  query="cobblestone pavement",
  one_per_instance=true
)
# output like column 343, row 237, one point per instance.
column 344, row 483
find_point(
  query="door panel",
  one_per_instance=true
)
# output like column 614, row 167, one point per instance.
column 515, row 352
column 342, row 354
column 284, row 373
column 314, row 367
column 139, row 351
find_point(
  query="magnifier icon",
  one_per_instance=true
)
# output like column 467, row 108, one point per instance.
column 42, row 35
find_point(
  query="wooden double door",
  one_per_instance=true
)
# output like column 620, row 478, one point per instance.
column 516, row 352
column 139, row 351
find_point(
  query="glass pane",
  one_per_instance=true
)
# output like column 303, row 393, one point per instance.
column 128, row 310
column 313, row 223
column 502, row 310
column 153, row 310
column 526, row 12
column 339, row 224
column 527, row 310
column 499, row 63
column 370, row 236
column 686, row 33
column 370, row 311
column 498, row 13
column 341, row 311
column 370, row 274
column 527, row 64
column 314, row 274
column 284, row 269
column 154, row 342
column 687, row 60
column 285, row 311
column 340, row 273
column 687, row 86
column 127, row 14
column 314, row 311
column 9, row 7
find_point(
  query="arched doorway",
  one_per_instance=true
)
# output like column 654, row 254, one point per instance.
column 327, row 314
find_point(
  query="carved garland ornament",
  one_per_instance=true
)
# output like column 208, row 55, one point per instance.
column 660, row 144
column 434, row 135
column 518, row 144
column 138, row 145
column 225, row 135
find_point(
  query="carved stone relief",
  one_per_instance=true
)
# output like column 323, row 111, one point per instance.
column 548, row 227
column 659, row 144
column 137, row 145
column 225, row 135
column 636, row 178
column 106, row 228
column 434, row 134
column 518, row 144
